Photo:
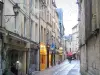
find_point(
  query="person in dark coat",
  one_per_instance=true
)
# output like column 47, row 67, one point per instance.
column 14, row 70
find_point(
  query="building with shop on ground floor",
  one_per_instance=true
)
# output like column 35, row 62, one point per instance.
column 29, row 36
column 19, row 47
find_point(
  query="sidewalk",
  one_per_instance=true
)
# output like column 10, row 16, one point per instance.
column 64, row 68
column 75, row 70
column 51, row 69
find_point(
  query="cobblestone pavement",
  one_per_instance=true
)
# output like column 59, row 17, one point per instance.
column 64, row 68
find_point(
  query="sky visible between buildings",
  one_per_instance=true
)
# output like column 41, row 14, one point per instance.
column 70, row 14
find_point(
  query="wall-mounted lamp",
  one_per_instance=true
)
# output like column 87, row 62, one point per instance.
column 15, row 9
column 16, row 12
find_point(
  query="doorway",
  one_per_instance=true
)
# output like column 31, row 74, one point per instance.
column 12, row 59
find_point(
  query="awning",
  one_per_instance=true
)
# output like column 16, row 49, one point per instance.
column 69, row 54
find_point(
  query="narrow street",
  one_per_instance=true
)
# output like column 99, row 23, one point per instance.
column 64, row 68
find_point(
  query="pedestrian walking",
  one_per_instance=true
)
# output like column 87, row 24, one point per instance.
column 70, row 59
column 69, row 55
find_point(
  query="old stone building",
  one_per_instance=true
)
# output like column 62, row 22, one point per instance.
column 20, row 24
column 49, row 30
column 89, row 36
column 75, row 41
column 24, row 25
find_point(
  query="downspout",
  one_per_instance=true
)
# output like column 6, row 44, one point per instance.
column 39, row 35
column 2, row 46
column 30, row 39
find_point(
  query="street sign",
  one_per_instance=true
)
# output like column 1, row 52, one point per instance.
column 52, row 46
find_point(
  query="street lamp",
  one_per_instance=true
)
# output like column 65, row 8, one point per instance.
column 16, row 11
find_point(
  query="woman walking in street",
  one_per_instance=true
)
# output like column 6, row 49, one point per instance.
column 69, row 55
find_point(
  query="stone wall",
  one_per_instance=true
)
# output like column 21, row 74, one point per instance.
column 90, row 56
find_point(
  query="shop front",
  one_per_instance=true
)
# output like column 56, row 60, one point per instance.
column 60, row 54
column 16, row 61
column 43, row 56
column 15, row 56
column 34, row 57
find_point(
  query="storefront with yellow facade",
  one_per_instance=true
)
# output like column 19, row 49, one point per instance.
column 43, row 57
column 60, row 53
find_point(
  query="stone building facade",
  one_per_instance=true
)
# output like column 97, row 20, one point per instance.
column 36, row 21
column 18, row 31
column 89, row 36
column 75, row 41
column 49, row 30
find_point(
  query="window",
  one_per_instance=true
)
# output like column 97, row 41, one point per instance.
column 25, row 26
column 36, row 32
column 47, row 16
column 42, row 12
column 31, row 27
column 44, row 35
column 41, row 33
column 50, row 18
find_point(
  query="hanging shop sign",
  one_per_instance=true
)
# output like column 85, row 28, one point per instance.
column 52, row 46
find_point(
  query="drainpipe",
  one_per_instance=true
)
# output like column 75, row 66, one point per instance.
column 1, row 53
column 29, row 38
column 2, row 40
column 39, row 40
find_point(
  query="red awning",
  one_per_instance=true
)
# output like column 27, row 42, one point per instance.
column 69, row 54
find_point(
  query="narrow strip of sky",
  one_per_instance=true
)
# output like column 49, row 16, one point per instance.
column 70, row 12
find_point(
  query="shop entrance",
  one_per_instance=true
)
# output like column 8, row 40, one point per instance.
column 16, row 62
column 12, row 61
column 33, row 61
